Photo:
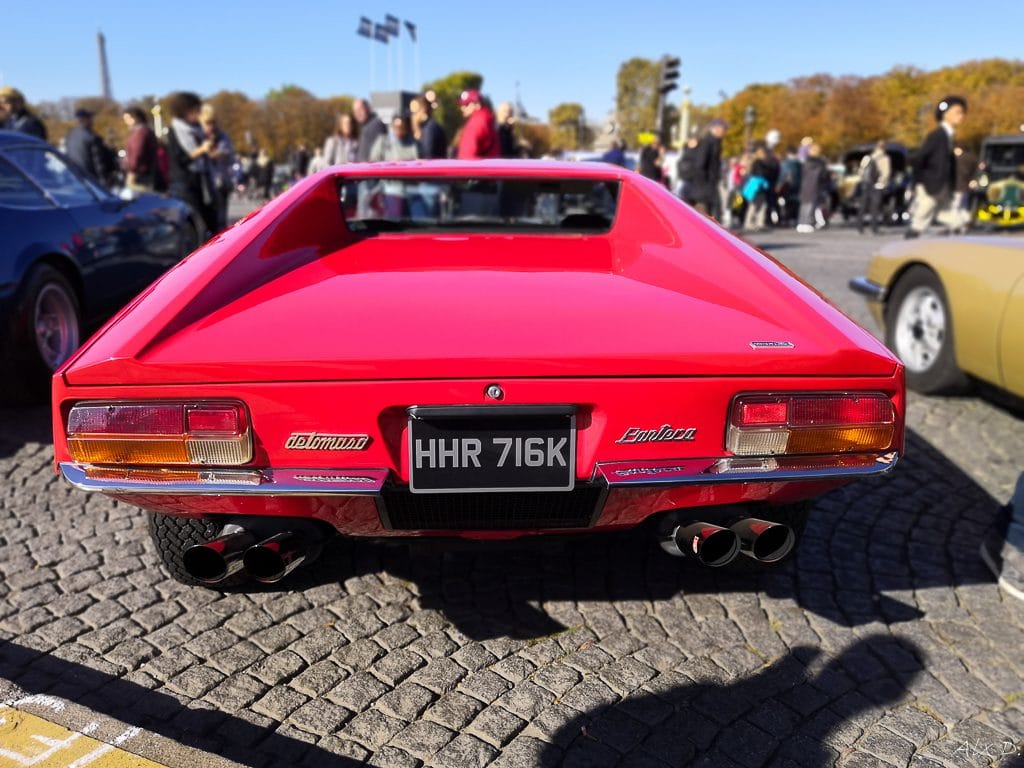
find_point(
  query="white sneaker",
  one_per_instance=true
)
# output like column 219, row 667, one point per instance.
column 804, row 228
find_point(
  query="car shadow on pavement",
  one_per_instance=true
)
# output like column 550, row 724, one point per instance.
column 787, row 713
column 868, row 550
column 203, row 728
column 692, row 712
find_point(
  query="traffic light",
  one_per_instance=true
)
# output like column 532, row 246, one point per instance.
column 669, row 75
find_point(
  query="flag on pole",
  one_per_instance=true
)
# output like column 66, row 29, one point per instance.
column 391, row 24
column 380, row 33
column 365, row 27
column 412, row 30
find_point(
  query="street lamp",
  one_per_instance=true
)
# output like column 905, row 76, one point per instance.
column 684, row 117
column 748, row 125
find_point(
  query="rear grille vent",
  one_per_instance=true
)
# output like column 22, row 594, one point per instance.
column 533, row 510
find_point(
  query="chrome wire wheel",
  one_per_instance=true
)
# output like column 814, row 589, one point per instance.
column 921, row 328
column 55, row 322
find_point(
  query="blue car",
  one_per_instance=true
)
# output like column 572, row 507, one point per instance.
column 71, row 254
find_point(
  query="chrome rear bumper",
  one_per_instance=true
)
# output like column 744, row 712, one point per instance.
column 369, row 482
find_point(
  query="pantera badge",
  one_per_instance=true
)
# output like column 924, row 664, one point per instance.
column 664, row 434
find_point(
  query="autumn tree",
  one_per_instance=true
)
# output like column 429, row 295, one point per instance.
column 237, row 115
column 569, row 129
column 636, row 98
column 537, row 136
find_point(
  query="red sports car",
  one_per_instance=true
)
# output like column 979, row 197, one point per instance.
column 481, row 350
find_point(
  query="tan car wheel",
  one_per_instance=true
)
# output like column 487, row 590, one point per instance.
column 919, row 329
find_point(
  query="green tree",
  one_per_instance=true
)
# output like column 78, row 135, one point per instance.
column 636, row 98
column 448, row 89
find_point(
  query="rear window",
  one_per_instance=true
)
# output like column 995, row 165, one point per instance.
column 382, row 204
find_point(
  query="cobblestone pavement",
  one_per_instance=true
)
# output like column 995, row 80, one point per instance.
column 884, row 642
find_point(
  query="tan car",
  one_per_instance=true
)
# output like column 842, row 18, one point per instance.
column 951, row 309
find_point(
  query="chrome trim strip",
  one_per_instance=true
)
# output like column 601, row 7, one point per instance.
column 710, row 471
column 238, row 482
column 868, row 288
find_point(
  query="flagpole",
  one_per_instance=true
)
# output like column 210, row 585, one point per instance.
column 369, row 41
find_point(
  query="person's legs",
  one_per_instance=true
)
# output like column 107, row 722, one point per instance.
column 922, row 211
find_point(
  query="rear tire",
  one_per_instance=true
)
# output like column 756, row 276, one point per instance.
column 919, row 329
column 45, row 331
column 173, row 535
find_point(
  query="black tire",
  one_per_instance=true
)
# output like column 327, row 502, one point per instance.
column 44, row 330
column 919, row 329
column 173, row 535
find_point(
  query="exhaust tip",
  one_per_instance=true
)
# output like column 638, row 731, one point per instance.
column 709, row 544
column 204, row 564
column 215, row 560
column 764, row 540
column 274, row 558
column 264, row 564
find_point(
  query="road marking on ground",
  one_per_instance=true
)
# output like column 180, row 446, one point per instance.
column 29, row 740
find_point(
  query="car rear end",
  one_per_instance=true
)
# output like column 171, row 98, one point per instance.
column 483, row 420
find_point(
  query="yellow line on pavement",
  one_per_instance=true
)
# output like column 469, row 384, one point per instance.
column 29, row 740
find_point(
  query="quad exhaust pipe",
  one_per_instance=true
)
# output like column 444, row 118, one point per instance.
column 715, row 546
column 216, row 560
column 709, row 544
column 763, row 540
column 267, row 561
column 274, row 558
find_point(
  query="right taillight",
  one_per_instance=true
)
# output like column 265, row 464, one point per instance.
column 769, row 425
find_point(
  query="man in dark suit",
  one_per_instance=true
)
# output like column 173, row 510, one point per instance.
column 935, row 167
column 707, row 170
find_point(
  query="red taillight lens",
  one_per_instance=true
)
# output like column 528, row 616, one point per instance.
column 161, row 432
column 762, row 425
column 215, row 419
column 760, row 411
column 120, row 419
column 840, row 411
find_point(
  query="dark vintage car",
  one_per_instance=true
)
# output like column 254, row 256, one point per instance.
column 1000, row 195
column 895, row 199
column 71, row 253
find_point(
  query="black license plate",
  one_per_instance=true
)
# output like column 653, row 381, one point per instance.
column 501, row 448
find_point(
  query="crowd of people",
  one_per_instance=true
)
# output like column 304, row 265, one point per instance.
column 196, row 161
column 762, row 187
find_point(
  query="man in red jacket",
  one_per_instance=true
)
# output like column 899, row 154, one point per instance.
column 479, row 138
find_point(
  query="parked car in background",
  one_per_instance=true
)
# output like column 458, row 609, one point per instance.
column 475, row 350
column 71, row 254
column 1000, row 194
column 895, row 198
column 951, row 309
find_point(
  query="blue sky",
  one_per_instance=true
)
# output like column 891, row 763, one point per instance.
column 555, row 51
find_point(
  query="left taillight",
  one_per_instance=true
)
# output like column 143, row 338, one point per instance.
column 801, row 424
column 205, row 433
